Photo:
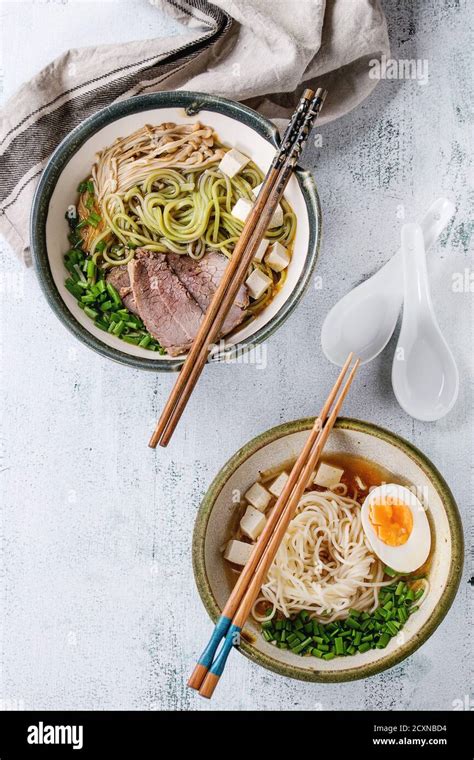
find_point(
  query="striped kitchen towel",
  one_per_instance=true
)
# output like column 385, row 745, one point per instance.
column 261, row 52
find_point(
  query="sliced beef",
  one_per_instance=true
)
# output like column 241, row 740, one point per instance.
column 201, row 279
column 168, row 310
column 119, row 278
column 171, row 293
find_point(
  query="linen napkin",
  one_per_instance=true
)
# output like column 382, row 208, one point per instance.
column 262, row 52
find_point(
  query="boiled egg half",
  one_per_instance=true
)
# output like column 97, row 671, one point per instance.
column 396, row 526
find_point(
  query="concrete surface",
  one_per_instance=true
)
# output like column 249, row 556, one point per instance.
column 98, row 606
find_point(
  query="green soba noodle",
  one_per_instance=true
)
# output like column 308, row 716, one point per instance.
column 181, row 209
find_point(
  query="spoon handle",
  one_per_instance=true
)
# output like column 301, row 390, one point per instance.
column 436, row 219
column 417, row 292
column 432, row 224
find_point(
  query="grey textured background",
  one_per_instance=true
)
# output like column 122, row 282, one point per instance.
column 98, row 606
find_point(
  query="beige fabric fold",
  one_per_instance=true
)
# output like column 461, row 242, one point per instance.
column 262, row 52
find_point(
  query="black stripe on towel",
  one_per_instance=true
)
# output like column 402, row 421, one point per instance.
column 36, row 142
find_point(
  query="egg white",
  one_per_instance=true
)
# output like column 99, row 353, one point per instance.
column 414, row 552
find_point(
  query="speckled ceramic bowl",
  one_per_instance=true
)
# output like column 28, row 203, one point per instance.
column 236, row 125
column 407, row 464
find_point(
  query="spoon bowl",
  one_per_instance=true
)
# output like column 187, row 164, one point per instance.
column 425, row 377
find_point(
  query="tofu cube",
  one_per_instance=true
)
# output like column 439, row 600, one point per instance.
column 278, row 484
column 233, row 162
column 238, row 552
column 278, row 257
column 261, row 250
column 277, row 218
column 328, row 476
column 257, row 283
column 258, row 497
column 252, row 523
column 242, row 209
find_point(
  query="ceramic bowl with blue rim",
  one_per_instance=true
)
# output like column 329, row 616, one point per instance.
column 236, row 126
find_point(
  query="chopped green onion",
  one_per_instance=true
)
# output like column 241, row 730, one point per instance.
column 91, row 269
column 357, row 638
column 73, row 288
column 383, row 641
column 113, row 293
column 354, row 613
column 118, row 329
column 94, row 220
column 352, row 623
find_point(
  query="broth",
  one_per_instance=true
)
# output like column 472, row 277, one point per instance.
column 370, row 473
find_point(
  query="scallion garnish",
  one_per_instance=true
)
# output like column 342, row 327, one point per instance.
column 359, row 632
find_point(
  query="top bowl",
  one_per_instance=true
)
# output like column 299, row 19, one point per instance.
column 236, row 125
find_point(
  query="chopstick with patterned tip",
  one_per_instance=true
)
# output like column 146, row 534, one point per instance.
column 232, row 637
column 232, row 604
column 252, row 234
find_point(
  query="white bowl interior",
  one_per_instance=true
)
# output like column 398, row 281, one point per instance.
column 231, row 132
column 404, row 469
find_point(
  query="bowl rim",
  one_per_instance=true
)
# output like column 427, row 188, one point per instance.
column 448, row 594
column 192, row 103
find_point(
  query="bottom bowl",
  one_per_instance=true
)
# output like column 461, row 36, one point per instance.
column 388, row 451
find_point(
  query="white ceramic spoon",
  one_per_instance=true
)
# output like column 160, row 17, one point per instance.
column 364, row 319
column 425, row 377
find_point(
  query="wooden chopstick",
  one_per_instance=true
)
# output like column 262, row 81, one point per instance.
column 245, row 576
column 203, row 337
column 205, row 328
column 234, row 274
column 228, row 299
column 210, row 316
column 250, row 595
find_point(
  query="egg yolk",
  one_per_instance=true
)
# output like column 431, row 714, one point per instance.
column 392, row 521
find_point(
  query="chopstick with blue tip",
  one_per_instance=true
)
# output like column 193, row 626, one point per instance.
column 287, row 512
column 225, row 620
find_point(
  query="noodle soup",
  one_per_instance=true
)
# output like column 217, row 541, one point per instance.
column 153, row 227
column 328, row 593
